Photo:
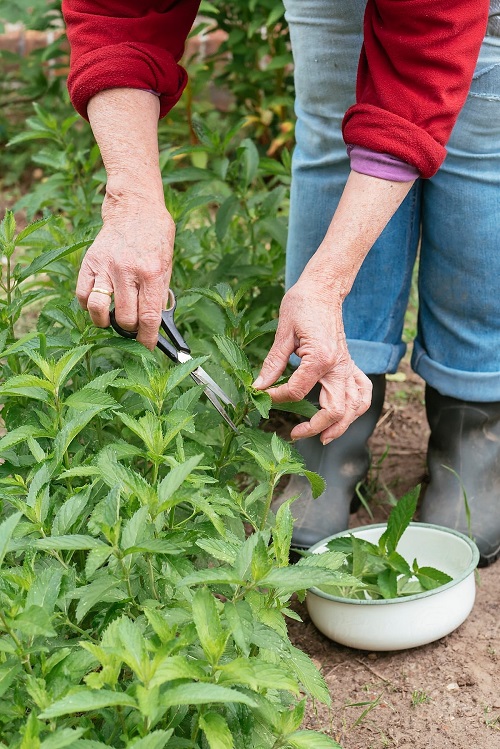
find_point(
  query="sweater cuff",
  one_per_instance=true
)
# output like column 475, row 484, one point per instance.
column 379, row 130
column 381, row 165
column 126, row 65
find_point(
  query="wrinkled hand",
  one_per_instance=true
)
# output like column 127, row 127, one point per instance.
column 310, row 325
column 132, row 257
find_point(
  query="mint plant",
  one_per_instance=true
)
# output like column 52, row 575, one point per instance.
column 380, row 570
column 144, row 580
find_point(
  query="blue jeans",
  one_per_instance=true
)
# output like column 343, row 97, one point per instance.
column 453, row 219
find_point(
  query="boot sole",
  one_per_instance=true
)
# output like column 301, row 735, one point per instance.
column 489, row 560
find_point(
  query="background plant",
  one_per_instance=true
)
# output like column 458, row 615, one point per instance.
column 28, row 78
column 255, row 65
column 230, row 216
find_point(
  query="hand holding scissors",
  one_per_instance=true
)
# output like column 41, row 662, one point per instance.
column 179, row 352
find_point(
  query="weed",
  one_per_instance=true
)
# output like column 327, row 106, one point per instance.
column 493, row 722
column 465, row 498
column 368, row 706
column 367, row 490
column 419, row 697
column 383, row 742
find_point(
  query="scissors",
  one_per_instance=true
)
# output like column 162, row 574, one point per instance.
column 179, row 352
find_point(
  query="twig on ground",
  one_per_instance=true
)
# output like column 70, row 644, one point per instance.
column 335, row 666
column 373, row 671
column 385, row 417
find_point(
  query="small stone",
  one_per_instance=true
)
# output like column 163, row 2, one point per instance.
column 372, row 656
column 453, row 685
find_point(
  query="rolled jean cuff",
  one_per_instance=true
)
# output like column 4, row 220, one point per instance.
column 478, row 387
column 370, row 356
column 373, row 357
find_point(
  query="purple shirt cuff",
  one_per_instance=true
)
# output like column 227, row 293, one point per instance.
column 381, row 165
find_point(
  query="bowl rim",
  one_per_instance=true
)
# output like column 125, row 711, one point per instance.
column 403, row 599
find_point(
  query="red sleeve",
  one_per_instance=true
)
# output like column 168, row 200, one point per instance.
column 127, row 44
column 414, row 73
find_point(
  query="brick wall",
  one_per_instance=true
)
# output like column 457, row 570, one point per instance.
column 23, row 41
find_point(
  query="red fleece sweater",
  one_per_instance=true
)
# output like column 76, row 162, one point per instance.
column 415, row 68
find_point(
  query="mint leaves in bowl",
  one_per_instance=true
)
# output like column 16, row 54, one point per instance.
column 415, row 583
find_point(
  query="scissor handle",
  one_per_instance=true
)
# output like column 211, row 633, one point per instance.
column 120, row 330
column 169, row 326
column 167, row 348
column 162, row 343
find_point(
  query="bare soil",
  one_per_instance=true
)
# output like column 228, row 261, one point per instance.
column 445, row 695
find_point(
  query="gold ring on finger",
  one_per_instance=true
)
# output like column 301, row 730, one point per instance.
column 102, row 291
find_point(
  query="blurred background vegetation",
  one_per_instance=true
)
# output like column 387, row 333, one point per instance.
column 238, row 58
column 225, row 153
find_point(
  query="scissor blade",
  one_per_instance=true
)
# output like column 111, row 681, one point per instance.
column 220, row 408
column 205, row 379
column 214, row 400
column 212, row 390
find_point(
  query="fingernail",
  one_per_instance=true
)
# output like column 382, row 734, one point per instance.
column 327, row 441
column 258, row 382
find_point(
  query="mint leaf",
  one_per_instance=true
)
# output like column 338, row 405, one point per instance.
column 399, row 520
column 430, row 578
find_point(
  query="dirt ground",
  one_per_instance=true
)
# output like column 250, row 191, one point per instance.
column 445, row 695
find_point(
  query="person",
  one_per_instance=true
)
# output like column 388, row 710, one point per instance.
column 416, row 66
column 452, row 218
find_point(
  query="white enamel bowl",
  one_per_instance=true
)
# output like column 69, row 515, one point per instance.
column 399, row 623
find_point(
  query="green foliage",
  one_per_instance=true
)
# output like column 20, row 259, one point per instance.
column 419, row 697
column 28, row 78
column 144, row 580
column 136, row 610
column 233, row 261
column 255, row 65
column 69, row 164
column 35, row 14
column 380, row 570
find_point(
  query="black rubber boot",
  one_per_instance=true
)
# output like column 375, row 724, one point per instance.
column 465, row 437
column 343, row 464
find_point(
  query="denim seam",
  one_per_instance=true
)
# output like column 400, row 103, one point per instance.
column 484, row 71
column 485, row 97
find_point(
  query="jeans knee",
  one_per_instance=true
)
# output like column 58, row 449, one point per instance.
column 319, row 142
